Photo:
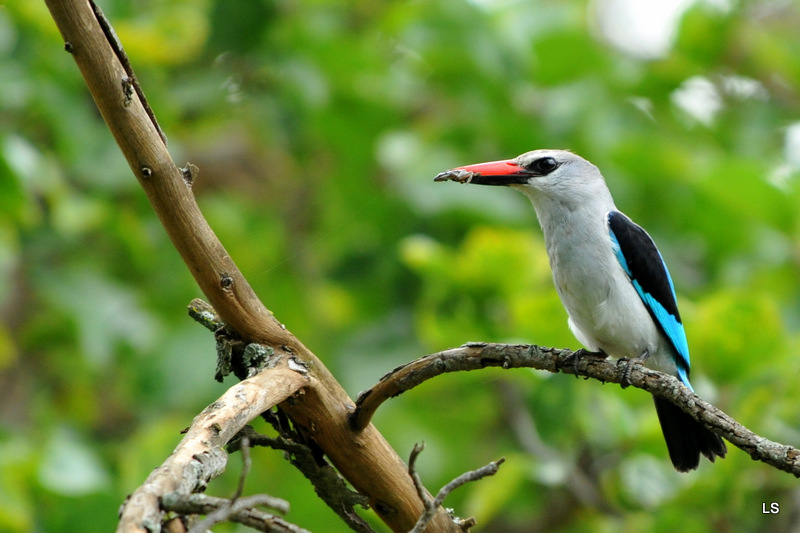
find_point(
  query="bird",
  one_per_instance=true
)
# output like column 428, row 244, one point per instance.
column 610, row 276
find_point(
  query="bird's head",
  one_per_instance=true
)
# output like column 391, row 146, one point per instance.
column 554, row 174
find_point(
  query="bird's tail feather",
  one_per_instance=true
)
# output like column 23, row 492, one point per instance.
column 686, row 437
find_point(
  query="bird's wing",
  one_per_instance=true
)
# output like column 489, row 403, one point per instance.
column 641, row 260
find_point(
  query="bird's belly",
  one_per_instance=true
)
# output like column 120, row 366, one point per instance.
column 611, row 317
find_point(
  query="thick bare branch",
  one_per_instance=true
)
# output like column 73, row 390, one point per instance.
column 473, row 356
column 200, row 456
column 97, row 54
column 363, row 457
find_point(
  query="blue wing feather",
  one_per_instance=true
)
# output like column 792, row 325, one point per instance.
column 638, row 256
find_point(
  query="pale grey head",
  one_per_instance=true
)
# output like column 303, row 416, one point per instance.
column 542, row 175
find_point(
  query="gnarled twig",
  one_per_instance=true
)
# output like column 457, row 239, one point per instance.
column 242, row 511
column 432, row 504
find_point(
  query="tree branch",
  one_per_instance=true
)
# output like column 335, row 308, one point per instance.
column 432, row 504
column 473, row 356
column 235, row 509
column 328, row 484
column 242, row 511
column 200, row 456
column 321, row 410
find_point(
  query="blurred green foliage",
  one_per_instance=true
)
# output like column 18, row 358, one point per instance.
column 318, row 127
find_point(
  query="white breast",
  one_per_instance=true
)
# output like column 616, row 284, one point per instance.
column 605, row 311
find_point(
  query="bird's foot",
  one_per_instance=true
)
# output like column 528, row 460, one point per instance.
column 580, row 354
column 626, row 364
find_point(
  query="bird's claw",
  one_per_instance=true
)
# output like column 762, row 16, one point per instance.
column 627, row 366
column 625, row 372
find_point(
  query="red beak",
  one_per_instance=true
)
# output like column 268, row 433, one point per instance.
column 505, row 172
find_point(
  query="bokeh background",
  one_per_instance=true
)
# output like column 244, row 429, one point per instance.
column 318, row 127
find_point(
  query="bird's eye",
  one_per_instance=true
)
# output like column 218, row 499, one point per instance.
column 544, row 165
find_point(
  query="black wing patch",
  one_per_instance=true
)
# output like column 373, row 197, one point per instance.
column 637, row 254
column 643, row 260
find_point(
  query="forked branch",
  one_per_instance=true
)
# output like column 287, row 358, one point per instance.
column 432, row 504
